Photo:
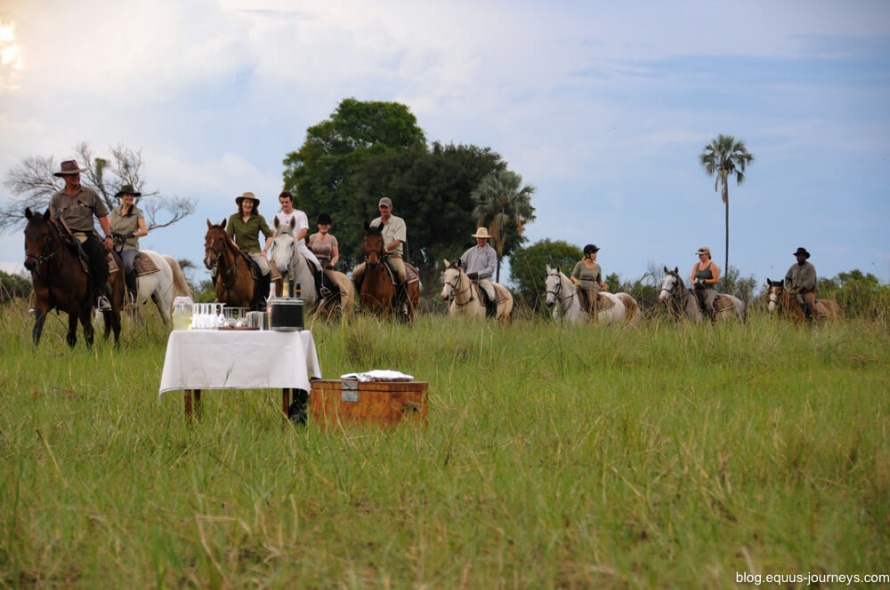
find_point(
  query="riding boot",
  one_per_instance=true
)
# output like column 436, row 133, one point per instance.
column 402, row 297
column 322, row 291
column 259, row 298
column 491, row 307
column 131, row 287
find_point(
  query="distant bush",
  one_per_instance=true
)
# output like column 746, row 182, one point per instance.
column 13, row 287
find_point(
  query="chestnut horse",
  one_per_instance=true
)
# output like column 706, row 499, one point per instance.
column 61, row 282
column 235, row 283
column 784, row 303
column 378, row 289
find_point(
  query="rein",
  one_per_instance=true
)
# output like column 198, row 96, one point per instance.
column 558, row 290
column 455, row 292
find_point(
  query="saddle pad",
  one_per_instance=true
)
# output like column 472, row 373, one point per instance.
column 144, row 265
column 723, row 303
column 603, row 303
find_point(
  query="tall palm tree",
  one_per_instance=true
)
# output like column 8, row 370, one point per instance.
column 501, row 199
column 722, row 158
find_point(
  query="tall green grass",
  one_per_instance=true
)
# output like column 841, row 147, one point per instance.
column 555, row 457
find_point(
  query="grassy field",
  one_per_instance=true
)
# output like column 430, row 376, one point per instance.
column 658, row 456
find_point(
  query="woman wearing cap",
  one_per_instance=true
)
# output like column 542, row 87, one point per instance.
column 704, row 278
column 801, row 281
column 323, row 244
column 588, row 276
column 244, row 228
column 127, row 226
column 480, row 263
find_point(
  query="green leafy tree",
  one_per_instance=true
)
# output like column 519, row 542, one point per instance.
column 860, row 295
column 504, row 205
column 321, row 172
column 723, row 158
column 13, row 286
column 528, row 267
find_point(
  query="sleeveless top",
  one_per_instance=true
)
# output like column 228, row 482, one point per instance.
column 324, row 251
column 704, row 273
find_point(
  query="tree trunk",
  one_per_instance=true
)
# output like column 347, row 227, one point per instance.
column 498, row 273
column 726, row 258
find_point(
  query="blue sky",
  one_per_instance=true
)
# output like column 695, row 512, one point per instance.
column 603, row 108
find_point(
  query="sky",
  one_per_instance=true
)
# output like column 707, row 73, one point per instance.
column 603, row 107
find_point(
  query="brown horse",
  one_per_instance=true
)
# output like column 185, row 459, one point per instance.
column 784, row 303
column 378, row 289
column 61, row 282
column 235, row 283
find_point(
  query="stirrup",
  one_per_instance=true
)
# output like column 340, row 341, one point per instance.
column 326, row 293
column 103, row 304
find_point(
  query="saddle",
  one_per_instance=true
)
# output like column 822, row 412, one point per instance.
column 144, row 265
column 602, row 303
column 723, row 303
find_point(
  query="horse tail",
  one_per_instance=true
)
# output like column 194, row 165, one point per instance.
column 180, row 285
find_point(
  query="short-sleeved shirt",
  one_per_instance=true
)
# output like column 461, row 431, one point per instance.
column 301, row 221
column 590, row 278
column 247, row 234
column 394, row 229
column 78, row 211
column 126, row 224
column 801, row 276
column 483, row 261
column 324, row 251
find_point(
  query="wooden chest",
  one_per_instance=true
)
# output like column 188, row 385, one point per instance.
column 383, row 403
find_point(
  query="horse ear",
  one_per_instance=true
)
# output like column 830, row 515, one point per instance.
column 275, row 222
column 445, row 260
column 28, row 213
column 677, row 269
column 293, row 222
column 223, row 224
column 46, row 214
column 781, row 283
column 367, row 226
column 666, row 270
column 209, row 225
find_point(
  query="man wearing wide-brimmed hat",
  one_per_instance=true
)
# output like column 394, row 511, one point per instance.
column 801, row 281
column 76, row 206
column 127, row 226
column 480, row 263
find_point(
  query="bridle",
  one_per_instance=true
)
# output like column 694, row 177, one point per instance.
column 43, row 257
column 378, row 253
column 456, row 284
column 556, row 292
column 231, row 272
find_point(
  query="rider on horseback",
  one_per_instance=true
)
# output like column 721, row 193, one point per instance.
column 480, row 263
column 244, row 229
column 75, row 206
column 588, row 278
column 301, row 229
column 127, row 226
column 394, row 232
column 704, row 277
column 801, row 282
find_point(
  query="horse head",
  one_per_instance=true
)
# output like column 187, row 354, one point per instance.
column 214, row 244
column 776, row 292
column 671, row 285
column 454, row 276
column 38, row 239
column 373, row 245
column 552, row 285
column 283, row 245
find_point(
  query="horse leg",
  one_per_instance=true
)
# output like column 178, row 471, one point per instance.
column 39, row 319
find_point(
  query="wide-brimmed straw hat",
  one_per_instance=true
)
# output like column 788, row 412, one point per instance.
column 127, row 189
column 802, row 252
column 69, row 167
column 482, row 232
column 703, row 250
column 246, row 196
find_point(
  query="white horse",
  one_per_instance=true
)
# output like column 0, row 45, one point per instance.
column 161, row 287
column 466, row 299
column 683, row 303
column 291, row 264
column 563, row 293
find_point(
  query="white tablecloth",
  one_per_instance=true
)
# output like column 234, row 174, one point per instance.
column 239, row 359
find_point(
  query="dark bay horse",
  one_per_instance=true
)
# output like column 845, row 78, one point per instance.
column 378, row 289
column 784, row 303
column 235, row 283
column 61, row 282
